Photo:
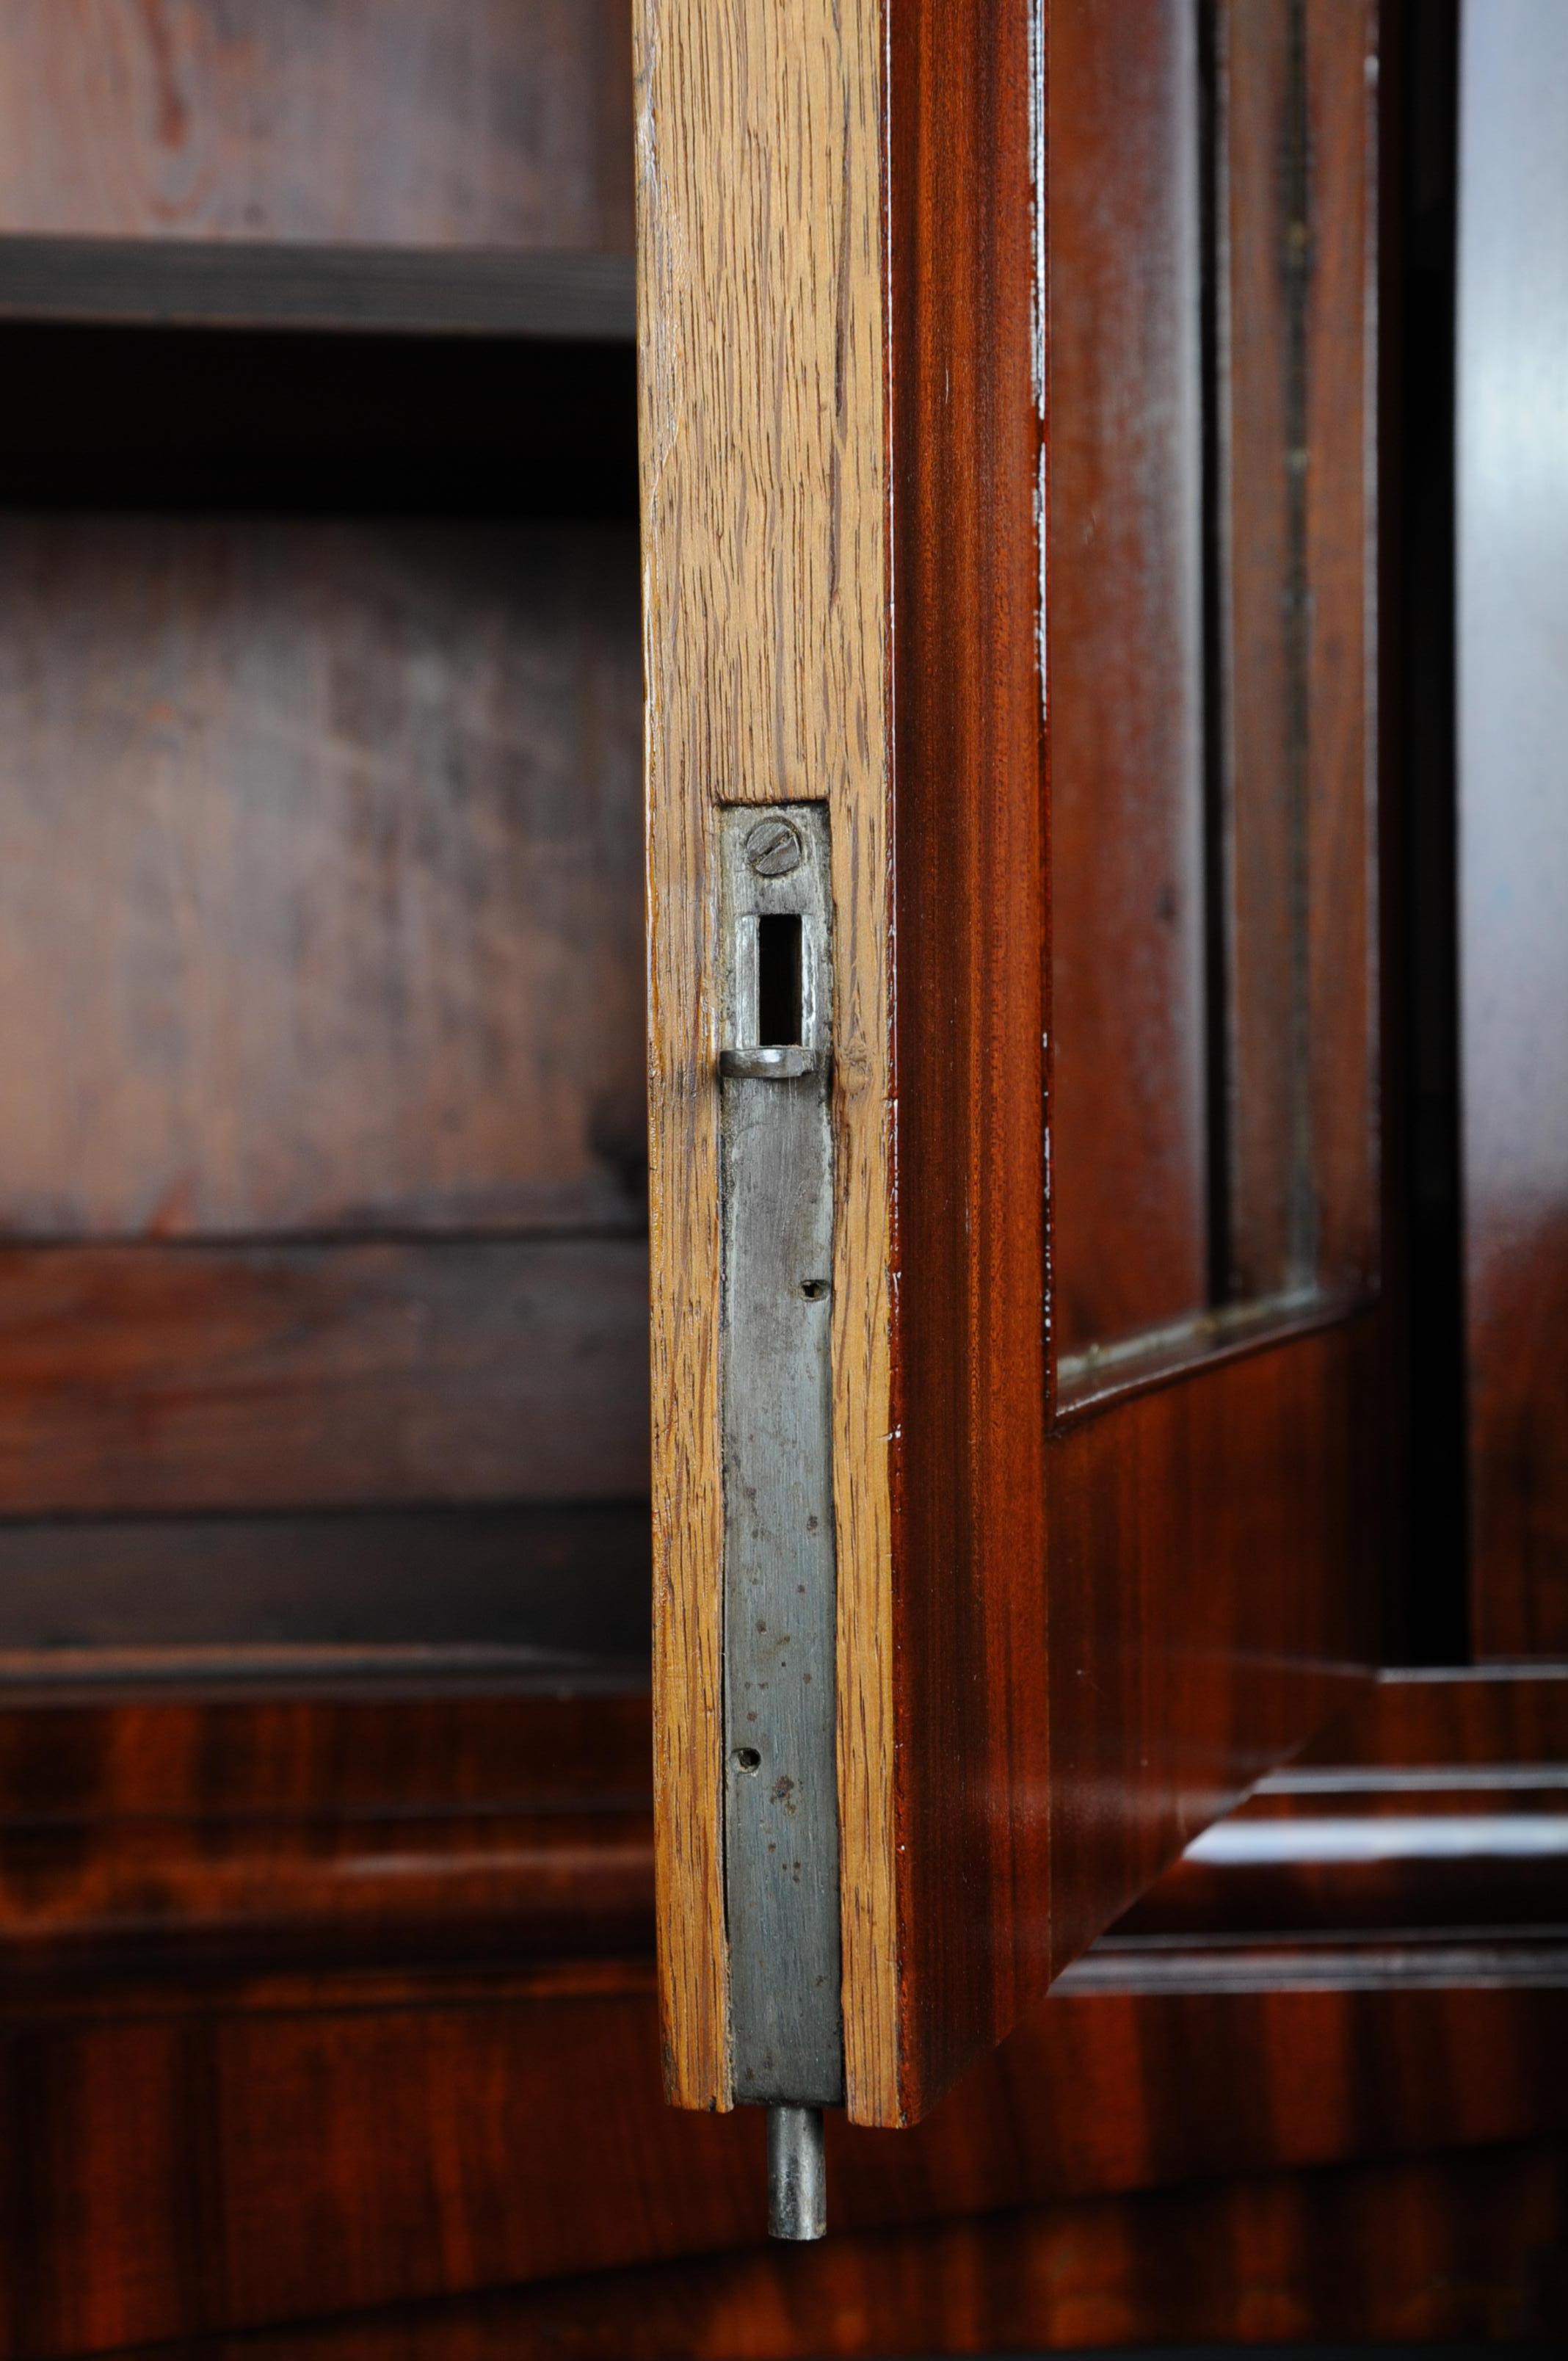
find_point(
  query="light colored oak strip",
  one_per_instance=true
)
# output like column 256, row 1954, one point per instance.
column 764, row 491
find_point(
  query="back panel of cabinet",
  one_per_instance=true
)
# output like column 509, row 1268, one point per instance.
column 321, row 1284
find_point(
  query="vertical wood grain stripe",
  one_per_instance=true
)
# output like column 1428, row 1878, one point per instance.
column 764, row 487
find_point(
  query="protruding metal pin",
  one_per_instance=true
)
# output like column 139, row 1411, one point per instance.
column 797, row 2174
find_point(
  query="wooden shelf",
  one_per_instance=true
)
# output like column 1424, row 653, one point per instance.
column 584, row 297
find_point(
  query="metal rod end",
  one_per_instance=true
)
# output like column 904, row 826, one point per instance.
column 797, row 2174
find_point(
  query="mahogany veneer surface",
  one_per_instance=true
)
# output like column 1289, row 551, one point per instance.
column 1446, row 2248
column 312, row 2008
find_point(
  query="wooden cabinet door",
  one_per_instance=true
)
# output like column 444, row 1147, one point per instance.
column 1006, row 417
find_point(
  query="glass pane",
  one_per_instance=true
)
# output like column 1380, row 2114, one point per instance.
column 1212, row 1142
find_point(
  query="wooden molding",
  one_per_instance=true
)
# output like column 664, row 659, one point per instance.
column 228, row 283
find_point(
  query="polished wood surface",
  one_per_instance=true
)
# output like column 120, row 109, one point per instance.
column 184, row 1378
column 377, row 122
column 206, row 2172
column 1340, row 361
column 1441, row 2250
column 322, row 878
column 200, row 2170
column 764, row 580
column 1298, row 179
column 168, row 1842
column 1177, row 1668
column 1129, row 1183
column 1211, row 630
column 1421, row 1840
column 1213, row 1554
column 486, row 292
column 967, row 1645
column 1213, row 1507
column 1513, row 837
column 322, row 966
column 313, row 2007
column 181, row 1836
column 329, row 2016
column 85, row 1597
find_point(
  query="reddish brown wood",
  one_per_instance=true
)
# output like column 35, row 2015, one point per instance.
column 1129, row 1221
column 388, row 1751
column 1447, row 2248
column 1296, row 120
column 80, row 1598
column 1212, row 1550
column 279, row 1894
column 1518, row 1373
column 1213, row 1129
column 319, row 877
column 1261, row 173
column 1429, row 1720
column 196, row 2171
column 161, row 1379
column 166, row 1839
column 399, row 122
column 1421, row 1840
column 178, row 1840
column 968, row 1607
column 311, row 2007
column 1453, row 1884
column 1341, row 766
column 1206, row 1568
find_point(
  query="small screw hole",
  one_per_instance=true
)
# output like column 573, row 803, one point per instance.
column 814, row 1290
column 748, row 1759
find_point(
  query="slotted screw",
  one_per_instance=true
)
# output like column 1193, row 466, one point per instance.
column 772, row 848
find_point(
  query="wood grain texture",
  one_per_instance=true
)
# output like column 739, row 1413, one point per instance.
column 511, row 1745
column 168, row 1845
column 763, row 480
column 281, row 1897
column 1421, row 1839
column 319, row 878
column 1426, row 1720
column 1443, row 2248
column 1213, row 1554
column 1262, row 172
column 169, row 281
column 1129, row 1180
column 968, row 1603
column 1342, row 58
column 214, row 2171
column 158, row 1379
column 1210, row 1541
column 568, row 1580
column 1176, row 1674
column 1298, row 124
column 1512, row 618
column 313, row 2006
column 375, row 122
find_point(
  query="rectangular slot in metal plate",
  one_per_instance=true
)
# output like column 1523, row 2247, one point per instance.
column 781, row 1799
